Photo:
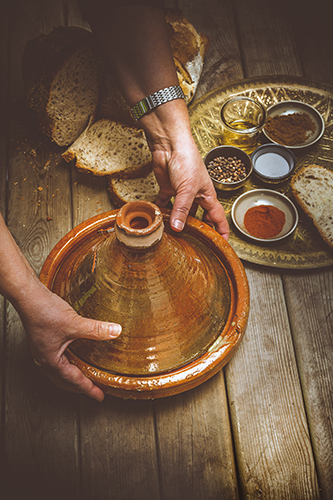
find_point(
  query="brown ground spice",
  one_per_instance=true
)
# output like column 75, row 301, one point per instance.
column 290, row 130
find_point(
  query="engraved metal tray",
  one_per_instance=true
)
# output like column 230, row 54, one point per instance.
column 304, row 249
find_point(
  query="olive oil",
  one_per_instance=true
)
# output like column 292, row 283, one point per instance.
column 242, row 120
column 242, row 134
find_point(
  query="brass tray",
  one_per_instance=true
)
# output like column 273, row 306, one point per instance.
column 304, row 249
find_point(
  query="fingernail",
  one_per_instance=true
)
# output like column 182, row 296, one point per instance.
column 178, row 225
column 114, row 330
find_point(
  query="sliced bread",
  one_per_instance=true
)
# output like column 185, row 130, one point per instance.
column 67, row 83
column 125, row 190
column 312, row 188
column 111, row 148
column 61, row 75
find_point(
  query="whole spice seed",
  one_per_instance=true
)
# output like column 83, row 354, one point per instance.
column 230, row 169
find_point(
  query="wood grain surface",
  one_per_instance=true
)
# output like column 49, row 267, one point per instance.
column 262, row 427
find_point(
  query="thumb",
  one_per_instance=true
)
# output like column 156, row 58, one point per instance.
column 97, row 330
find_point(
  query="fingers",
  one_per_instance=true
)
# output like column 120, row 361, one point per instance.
column 49, row 350
column 218, row 220
column 70, row 378
column 162, row 199
column 180, row 212
column 97, row 330
column 186, row 203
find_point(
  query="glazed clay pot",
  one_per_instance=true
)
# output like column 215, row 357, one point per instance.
column 182, row 299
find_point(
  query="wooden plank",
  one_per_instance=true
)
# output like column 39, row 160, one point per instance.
column 194, row 444
column 34, row 406
column 309, row 295
column 41, row 425
column 272, row 442
column 193, row 429
column 266, row 42
column 274, row 454
column 223, row 61
column 118, row 443
column 118, row 446
column 312, row 28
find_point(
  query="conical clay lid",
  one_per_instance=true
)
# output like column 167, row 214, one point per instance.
column 182, row 299
column 172, row 297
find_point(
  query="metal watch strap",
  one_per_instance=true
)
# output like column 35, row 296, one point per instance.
column 147, row 104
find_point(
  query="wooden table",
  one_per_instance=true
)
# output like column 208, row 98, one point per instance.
column 260, row 428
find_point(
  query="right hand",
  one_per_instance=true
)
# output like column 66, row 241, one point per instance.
column 51, row 326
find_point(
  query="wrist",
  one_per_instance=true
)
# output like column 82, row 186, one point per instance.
column 168, row 126
column 27, row 293
column 156, row 99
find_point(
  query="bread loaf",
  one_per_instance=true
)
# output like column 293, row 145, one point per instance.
column 111, row 148
column 126, row 190
column 189, row 49
column 67, row 83
column 312, row 188
column 61, row 74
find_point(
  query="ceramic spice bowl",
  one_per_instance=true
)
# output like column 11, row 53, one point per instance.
column 229, row 167
column 294, row 124
column 273, row 163
column 264, row 201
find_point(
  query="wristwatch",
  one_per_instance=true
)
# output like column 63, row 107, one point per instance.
column 148, row 104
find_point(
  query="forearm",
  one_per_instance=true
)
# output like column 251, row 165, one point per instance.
column 136, row 43
column 50, row 323
column 17, row 279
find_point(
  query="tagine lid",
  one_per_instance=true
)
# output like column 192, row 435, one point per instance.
column 180, row 298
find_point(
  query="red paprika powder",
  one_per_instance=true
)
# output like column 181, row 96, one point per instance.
column 264, row 221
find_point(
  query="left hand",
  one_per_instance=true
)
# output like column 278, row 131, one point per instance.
column 183, row 174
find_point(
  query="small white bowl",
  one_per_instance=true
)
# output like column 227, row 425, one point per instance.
column 273, row 163
column 291, row 107
column 259, row 197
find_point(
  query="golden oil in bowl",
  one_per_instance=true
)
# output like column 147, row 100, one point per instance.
column 243, row 120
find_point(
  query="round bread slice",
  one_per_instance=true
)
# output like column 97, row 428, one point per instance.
column 111, row 148
column 312, row 188
column 126, row 190
column 61, row 75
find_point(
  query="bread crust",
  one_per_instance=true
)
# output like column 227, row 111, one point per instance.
column 151, row 191
column 101, row 150
column 44, row 58
column 318, row 174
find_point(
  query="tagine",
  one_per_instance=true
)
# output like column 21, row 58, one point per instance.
column 182, row 299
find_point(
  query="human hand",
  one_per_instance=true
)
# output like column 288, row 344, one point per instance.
column 179, row 168
column 51, row 327
column 183, row 174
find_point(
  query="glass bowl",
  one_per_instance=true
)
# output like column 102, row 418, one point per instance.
column 242, row 120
